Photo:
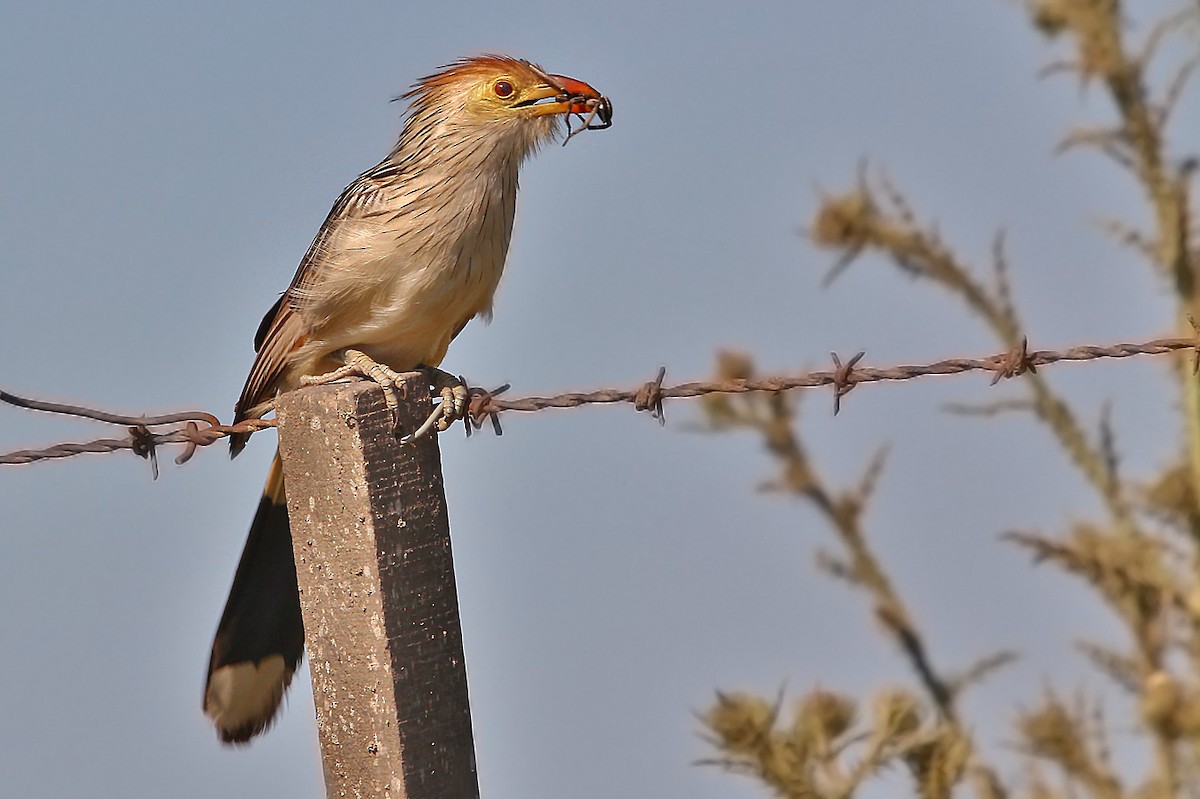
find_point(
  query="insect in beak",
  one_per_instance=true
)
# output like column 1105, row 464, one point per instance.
column 587, row 109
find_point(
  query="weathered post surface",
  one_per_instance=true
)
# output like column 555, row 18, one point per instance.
column 372, row 546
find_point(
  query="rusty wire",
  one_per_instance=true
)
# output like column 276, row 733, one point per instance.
column 142, row 440
column 488, row 405
column 843, row 377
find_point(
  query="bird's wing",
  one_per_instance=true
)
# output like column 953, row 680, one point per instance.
column 283, row 330
column 285, row 327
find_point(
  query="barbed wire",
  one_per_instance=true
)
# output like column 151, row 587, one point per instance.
column 486, row 406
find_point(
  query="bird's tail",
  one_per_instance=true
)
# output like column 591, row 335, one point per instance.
column 260, row 638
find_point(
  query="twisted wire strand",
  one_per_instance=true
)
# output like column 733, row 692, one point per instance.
column 488, row 405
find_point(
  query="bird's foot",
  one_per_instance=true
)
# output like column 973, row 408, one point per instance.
column 455, row 396
column 356, row 363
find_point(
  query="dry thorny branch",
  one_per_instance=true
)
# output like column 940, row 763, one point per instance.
column 143, row 440
column 1141, row 559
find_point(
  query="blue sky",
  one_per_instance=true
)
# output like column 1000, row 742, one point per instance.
column 164, row 167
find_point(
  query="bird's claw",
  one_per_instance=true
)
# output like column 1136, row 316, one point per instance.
column 455, row 398
column 356, row 363
column 454, row 405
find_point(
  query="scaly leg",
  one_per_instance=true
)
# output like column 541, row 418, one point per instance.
column 363, row 365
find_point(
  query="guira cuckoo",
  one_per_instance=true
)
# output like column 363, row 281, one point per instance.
column 412, row 251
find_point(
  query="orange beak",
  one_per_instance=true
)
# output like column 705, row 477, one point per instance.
column 570, row 96
column 577, row 88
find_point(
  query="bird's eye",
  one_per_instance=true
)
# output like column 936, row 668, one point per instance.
column 503, row 88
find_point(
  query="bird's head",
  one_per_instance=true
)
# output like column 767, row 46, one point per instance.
column 503, row 98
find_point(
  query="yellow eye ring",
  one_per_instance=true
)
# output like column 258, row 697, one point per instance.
column 503, row 89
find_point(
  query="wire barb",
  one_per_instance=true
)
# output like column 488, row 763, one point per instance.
column 142, row 442
column 1013, row 363
column 482, row 407
column 843, row 378
column 650, row 398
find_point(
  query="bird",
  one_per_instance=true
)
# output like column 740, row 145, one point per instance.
column 412, row 250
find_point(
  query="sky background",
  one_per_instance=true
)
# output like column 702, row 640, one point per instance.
column 165, row 165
